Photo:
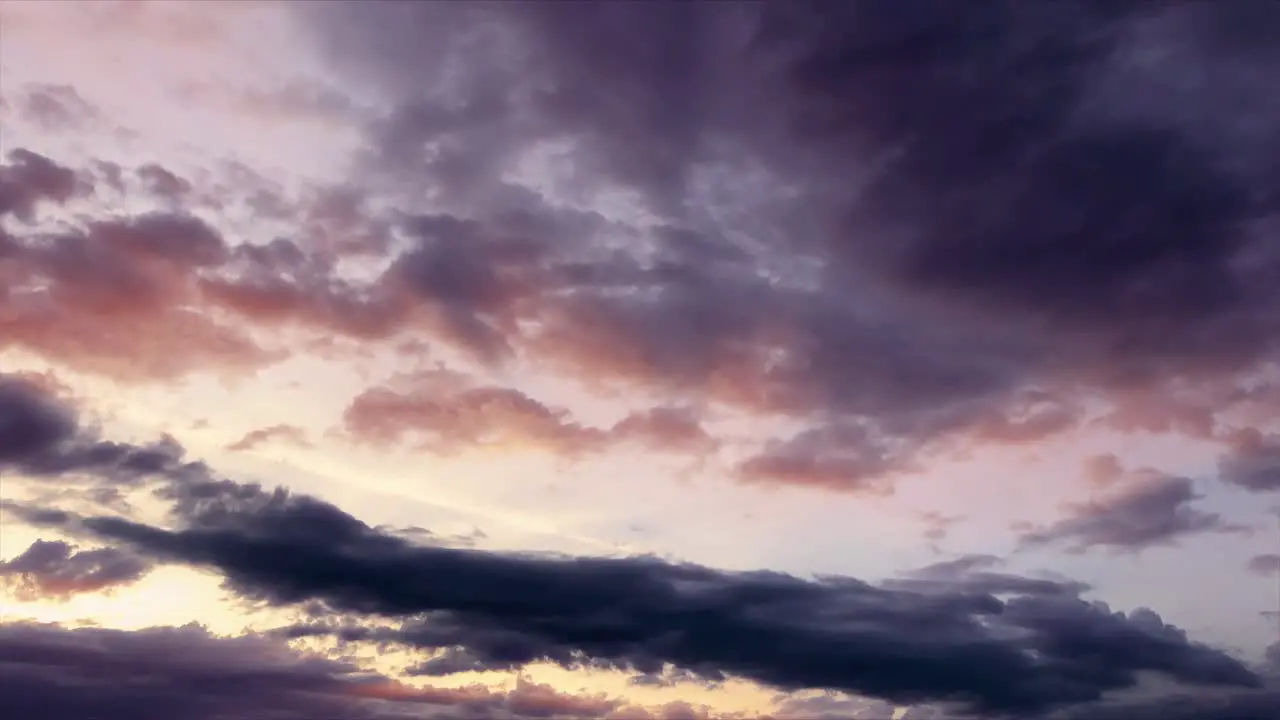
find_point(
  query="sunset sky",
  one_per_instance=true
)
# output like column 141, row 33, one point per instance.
column 642, row 360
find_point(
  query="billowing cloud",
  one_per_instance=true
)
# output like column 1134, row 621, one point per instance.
column 28, row 179
column 735, row 228
column 52, row 569
column 1040, row 237
column 952, row 643
column 40, row 436
column 446, row 411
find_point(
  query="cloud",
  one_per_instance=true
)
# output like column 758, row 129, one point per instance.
column 52, row 569
column 1253, row 462
column 1103, row 470
column 30, row 179
column 118, row 296
column 1151, row 511
column 286, row 433
column 165, row 672
column 849, row 458
column 55, row 107
column 447, row 412
column 42, row 437
column 734, row 230
column 448, row 415
column 1266, row 564
column 502, row 611
column 1186, row 706
column 163, row 183
column 992, row 642
column 1048, row 245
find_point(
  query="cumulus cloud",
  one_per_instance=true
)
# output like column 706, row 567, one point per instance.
column 997, row 242
column 29, row 179
column 52, row 569
column 447, row 412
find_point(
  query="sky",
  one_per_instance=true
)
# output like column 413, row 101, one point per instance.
column 641, row 360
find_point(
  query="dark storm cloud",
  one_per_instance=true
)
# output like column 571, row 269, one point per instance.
column 502, row 611
column 906, row 216
column 52, row 569
column 1149, row 512
column 43, row 437
column 33, row 423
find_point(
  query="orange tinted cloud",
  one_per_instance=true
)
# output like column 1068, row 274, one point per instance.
column 54, row 570
column 118, row 298
column 468, row 416
column 527, row 699
column 445, row 411
column 285, row 433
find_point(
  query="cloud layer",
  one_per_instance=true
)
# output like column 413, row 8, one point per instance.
column 988, row 642
column 909, row 229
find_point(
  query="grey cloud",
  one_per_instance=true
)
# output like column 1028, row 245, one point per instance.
column 506, row 610
column 43, row 437
column 1265, row 564
column 54, row 673
column 55, row 107
column 1018, row 241
column 1020, row 230
column 995, row 242
column 29, row 179
column 1153, row 511
column 54, row 569
column 1253, row 463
